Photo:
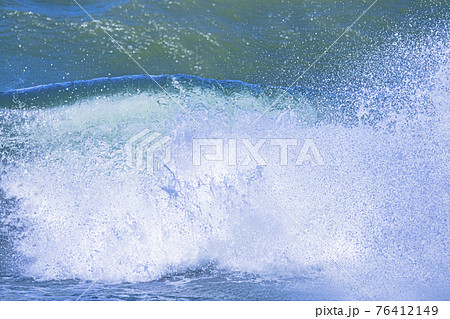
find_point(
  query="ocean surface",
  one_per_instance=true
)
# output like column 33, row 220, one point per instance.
column 78, row 223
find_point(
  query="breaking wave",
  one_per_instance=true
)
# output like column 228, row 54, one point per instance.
column 375, row 216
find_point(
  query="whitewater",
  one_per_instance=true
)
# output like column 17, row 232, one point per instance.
column 77, row 223
column 379, row 206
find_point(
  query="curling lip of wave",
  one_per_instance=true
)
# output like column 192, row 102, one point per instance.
column 66, row 92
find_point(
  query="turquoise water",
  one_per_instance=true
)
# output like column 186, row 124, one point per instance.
column 78, row 223
column 268, row 42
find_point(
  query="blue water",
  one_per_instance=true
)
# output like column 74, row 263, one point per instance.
column 77, row 223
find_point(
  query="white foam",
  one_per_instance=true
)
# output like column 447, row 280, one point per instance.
column 378, row 208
